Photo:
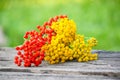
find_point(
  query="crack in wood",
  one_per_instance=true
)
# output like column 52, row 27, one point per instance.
column 15, row 70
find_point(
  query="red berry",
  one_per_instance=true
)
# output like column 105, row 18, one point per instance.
column 38, row 26
column 16, row 57
column 19, row 53
column 41, row 57
column 17, row 48
column 21, row 56
column 37, row 63
column 36, row 54
column 56, row 18
column 25, row 36
column 27, row 33
column 16, row 61
column 20, row 60
column 19, row 63
column 26, row 53
column 42, row 54
column 61, row 16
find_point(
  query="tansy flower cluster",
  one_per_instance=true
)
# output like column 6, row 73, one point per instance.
column 67, row 45
column 82, row 48
column 55, row 53
column 65, row 30
column 55, row 41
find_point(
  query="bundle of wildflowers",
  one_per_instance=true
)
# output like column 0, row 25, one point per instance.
column 55, row 42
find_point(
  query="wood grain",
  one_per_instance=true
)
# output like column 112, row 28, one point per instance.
column 107, row 67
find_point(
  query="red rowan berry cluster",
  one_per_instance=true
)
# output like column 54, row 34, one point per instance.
column 30, row 52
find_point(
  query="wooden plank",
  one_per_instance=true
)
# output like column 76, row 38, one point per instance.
column 69, row 71
column 107, row 67
column 33, row 76
column 107, row 54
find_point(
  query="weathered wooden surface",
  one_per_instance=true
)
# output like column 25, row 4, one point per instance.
column 107, row 67
column 3, row 39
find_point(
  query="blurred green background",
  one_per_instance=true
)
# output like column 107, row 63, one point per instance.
column 97, row 18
